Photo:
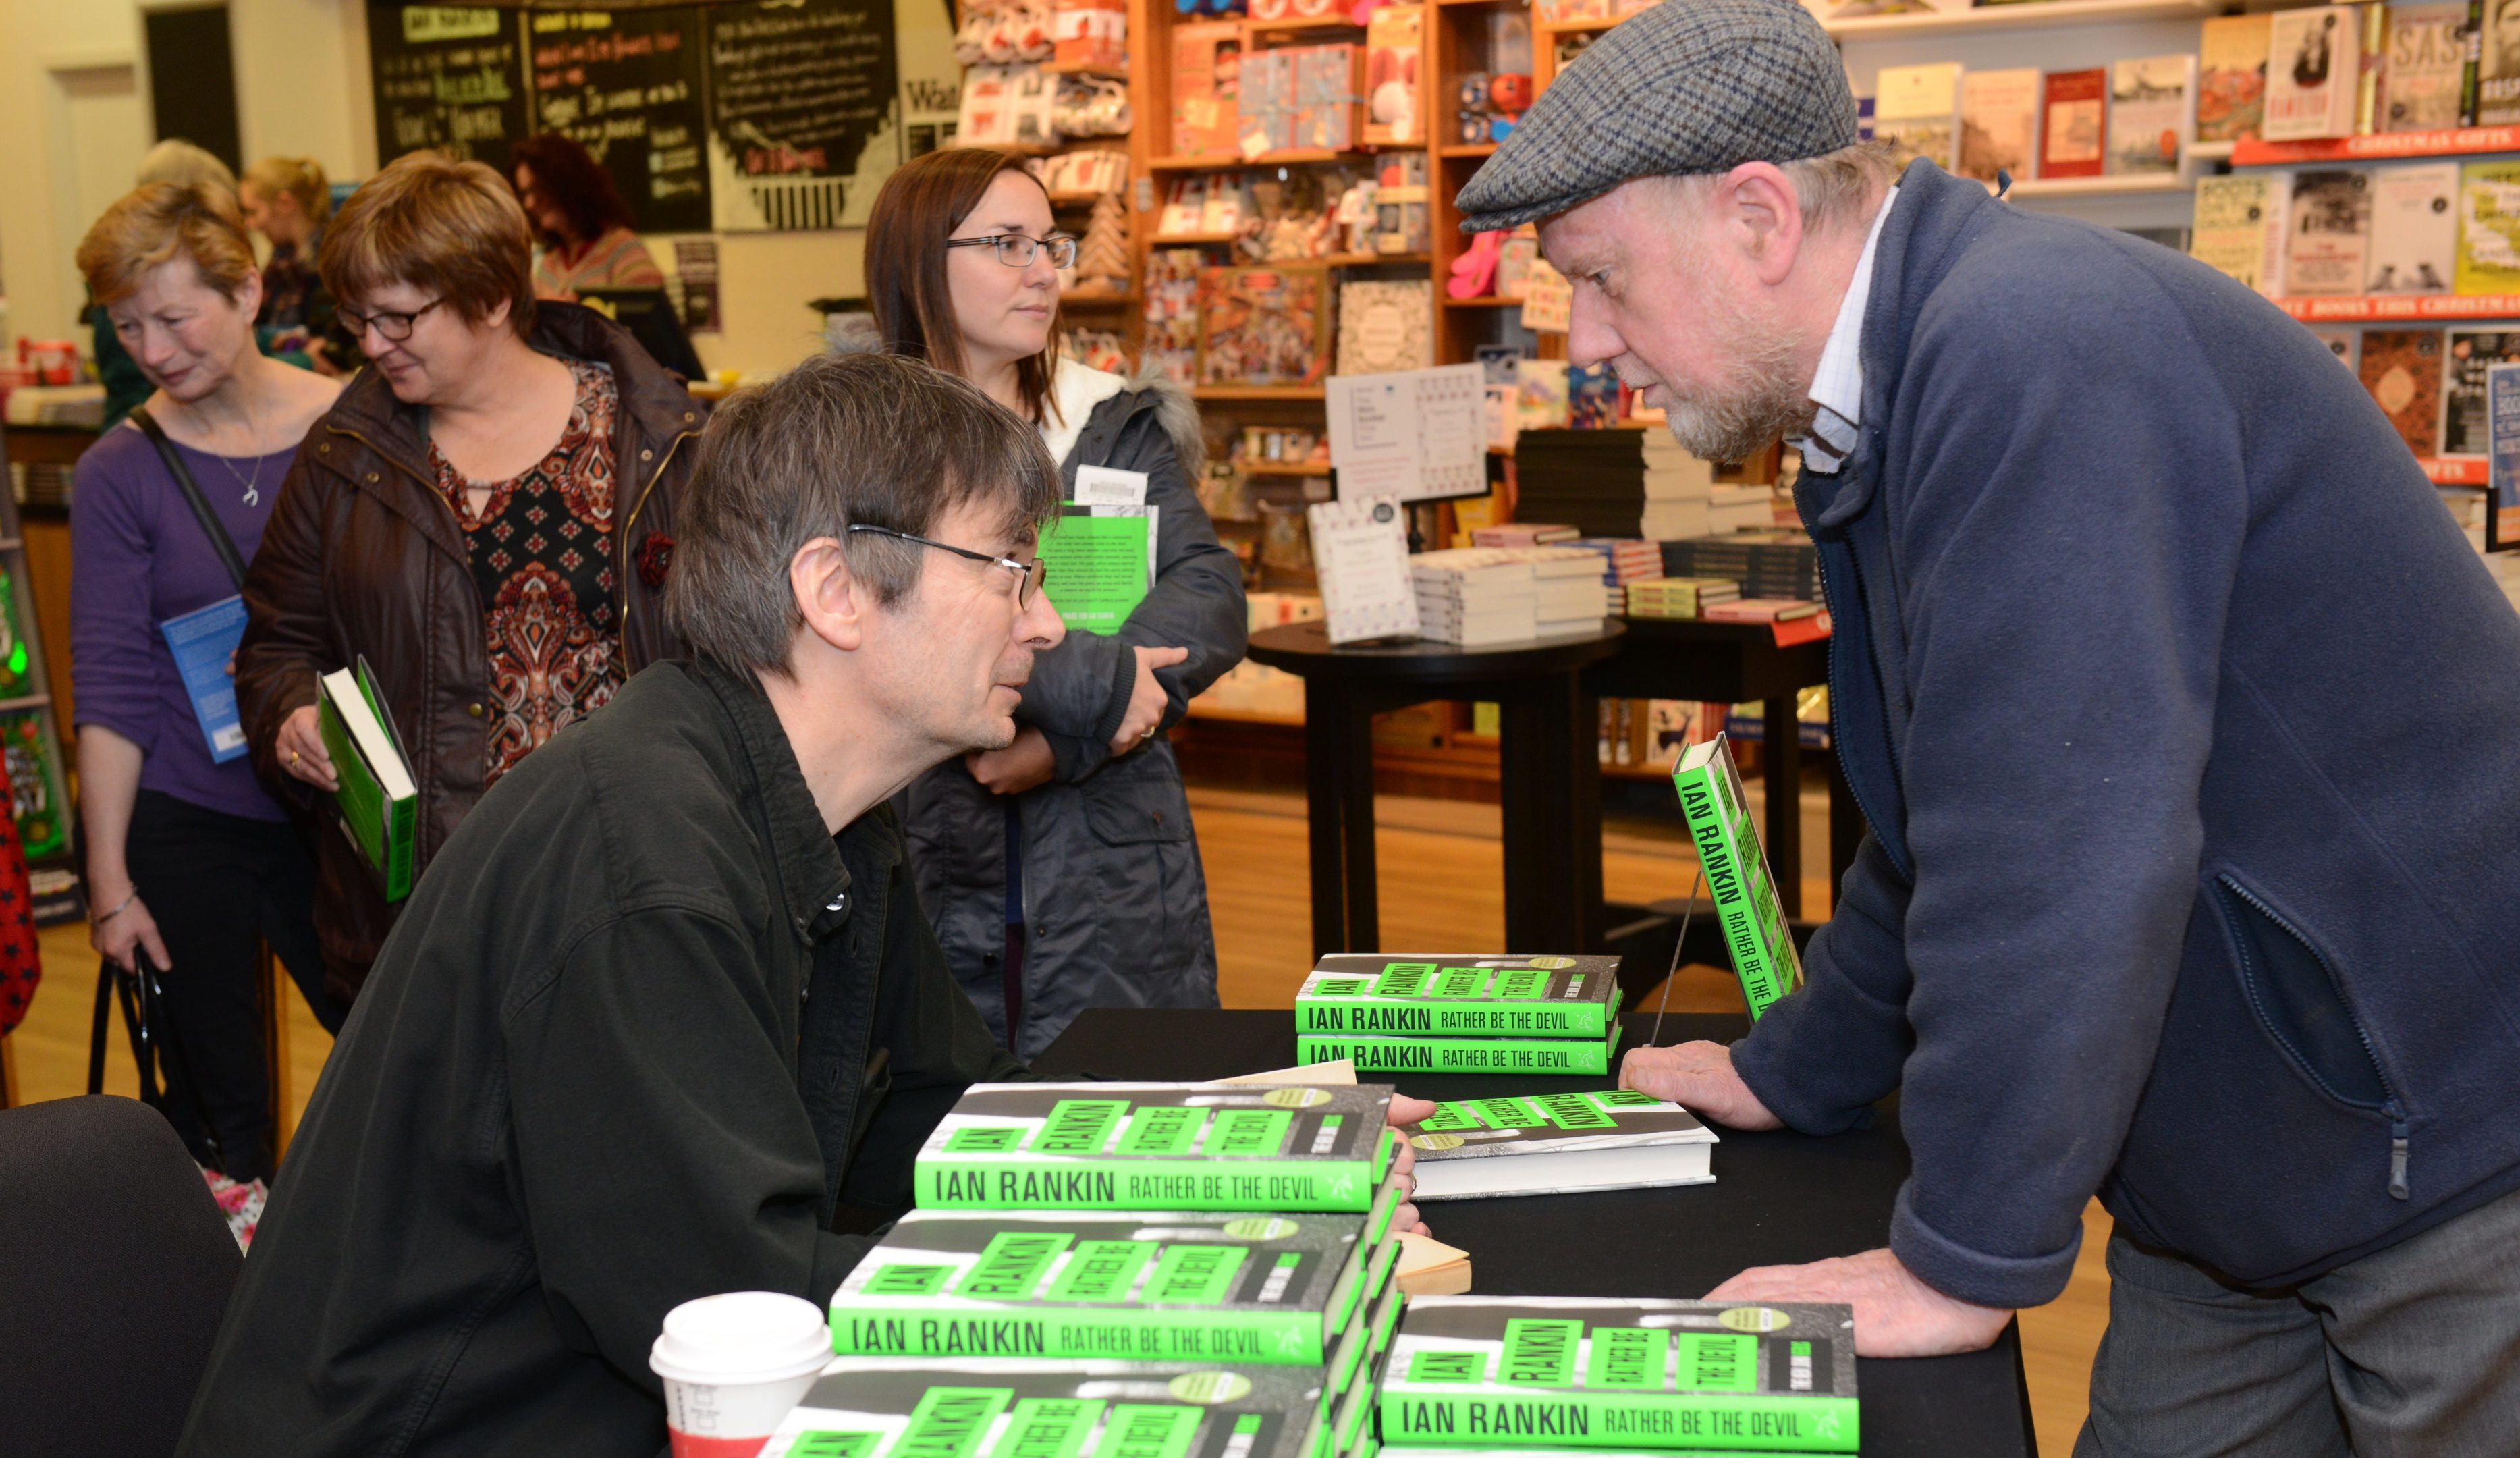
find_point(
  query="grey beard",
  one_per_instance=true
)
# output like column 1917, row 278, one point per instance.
column 1768, row 402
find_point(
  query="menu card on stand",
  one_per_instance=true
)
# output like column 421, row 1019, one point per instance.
column 1411, row 435
column 1361, row 553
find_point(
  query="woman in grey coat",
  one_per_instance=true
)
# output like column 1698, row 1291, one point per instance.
column 1060, row 872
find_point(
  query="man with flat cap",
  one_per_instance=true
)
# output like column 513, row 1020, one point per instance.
column 2187, row 728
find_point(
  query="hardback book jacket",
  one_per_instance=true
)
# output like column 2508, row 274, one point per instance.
column 1476, row 1055
column 1159, row 1146
column 2000, row 122
column 1637, row 1375
column 1737, row 879
column 2330, row 232
column 2498, row 67
column 2239, row 229
column 1558, row 1144
column 2470, row 354
column 1917, row 109
column 2313, row 73
column 2150, row 112
column 2402, row 371
column 2424, row 86
column 893, row 1408
column 1103, row 561
column 2073, row 133
column 1178, row 1286
column 2489, row 227
column 377, row 802
column 2414, row 230
column 2232, row 77
column 1459, row 994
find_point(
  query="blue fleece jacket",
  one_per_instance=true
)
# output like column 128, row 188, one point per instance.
column 2187, row 727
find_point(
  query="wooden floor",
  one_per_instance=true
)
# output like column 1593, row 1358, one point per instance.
column 1441, row 879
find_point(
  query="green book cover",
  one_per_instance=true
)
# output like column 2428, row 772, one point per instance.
column 1460, row 994
column 880, row 1407
column 1401, row 1055
column 377, row 802
column 1191, row 1286
column 39, row 807
column 1762, row 949
column 2489, row 228
column 1633, row 1375
column 1101, row 561
column 1270, row 1148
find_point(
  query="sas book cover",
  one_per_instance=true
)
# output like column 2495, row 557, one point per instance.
column 2470, row 354
column 2073, row 127
column 2489, row 226
column 2000, row 122
column 877, row 1407
column 2497, row 70
column 377, row 802
column 1557, row 1144
column 1484, row 1055
column 2313, row 73
column 2414, row 230
column 2239, row 229
column 1634, row 1375
column 1159, row 1146
column 2425, row 84
column 1737, row 880
column 2402, row 371
column 2150, row 106
column 1178, row 1286
column 2232, row 77
column 2330, row 232
column 1459, row 994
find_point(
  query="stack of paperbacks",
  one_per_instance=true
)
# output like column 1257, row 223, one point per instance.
column 1528, row 1375
column 1461, row 1013
column 1625, row 559
column 1123, row 1270
column 1680, row 597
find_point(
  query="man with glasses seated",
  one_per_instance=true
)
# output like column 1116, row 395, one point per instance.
column 666, row 1004
column 486, row 518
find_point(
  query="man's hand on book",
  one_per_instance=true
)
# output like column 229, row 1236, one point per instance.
column 1699, row 1077
column 1896, row 1315
column 300, row 750
column 1017, row 767
column 1406, row 1111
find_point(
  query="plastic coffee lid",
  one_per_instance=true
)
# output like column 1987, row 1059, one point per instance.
column 741, row 1336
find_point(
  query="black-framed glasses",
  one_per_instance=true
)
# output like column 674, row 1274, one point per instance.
column 1029, row 575
column 395, row 327
column 1015, row 251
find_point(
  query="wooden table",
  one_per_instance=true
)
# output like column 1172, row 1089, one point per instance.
column 1549, row 772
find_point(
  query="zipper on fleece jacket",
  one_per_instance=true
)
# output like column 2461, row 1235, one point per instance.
column 2388, row 1105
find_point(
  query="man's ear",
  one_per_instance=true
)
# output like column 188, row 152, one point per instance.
column 833, row 600
column 1761, row 210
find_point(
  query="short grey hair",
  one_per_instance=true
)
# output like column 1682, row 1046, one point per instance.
column 1831, row 187
column 179, row 162
column 876, row 440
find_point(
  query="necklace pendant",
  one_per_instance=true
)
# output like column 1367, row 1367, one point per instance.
column 252, row 496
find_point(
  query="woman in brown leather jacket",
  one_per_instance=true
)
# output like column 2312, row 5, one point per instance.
column 486, row 518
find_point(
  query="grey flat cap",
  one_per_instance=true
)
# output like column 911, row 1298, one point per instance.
column 1690, row 86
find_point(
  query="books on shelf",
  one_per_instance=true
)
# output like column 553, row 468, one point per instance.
column 2151, row 112
column 2232, row 77
column 2470, row 354
column 1175, row 1286
column 1737, row 879
column 2497, row 71
column 1264, row 325
column 2330, row 232
column 2240, row 229
column 2489, row 227
column 2313, row 73
column 1206, row 119
column 1917, row 109
column 1646, row 1374
column 2427, row 82
column 2073, row 127
column 2000, row 122
column 1157, row 1146
column 377, row 802
column 2414, row 230
column 1558, row 1144
column 41, row 805
column 898, row 1408
column 2402, row 371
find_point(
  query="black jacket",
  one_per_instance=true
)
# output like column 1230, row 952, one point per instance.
column 615, row 1055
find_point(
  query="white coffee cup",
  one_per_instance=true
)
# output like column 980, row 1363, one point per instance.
column 734, row 1366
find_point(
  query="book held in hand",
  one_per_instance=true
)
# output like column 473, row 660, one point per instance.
column 1459, row 994
column 377, row 802
column 1558, row 1144
column 1737, row 879
column 1638, row 1375
column 1102, row 563
column 893, row 1408
column 1159, row 1146
column 1179, row 1286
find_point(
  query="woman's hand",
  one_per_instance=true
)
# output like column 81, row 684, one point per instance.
column 1146, row 699
column 300, row 748
column 128, row 931
column 1015, row 769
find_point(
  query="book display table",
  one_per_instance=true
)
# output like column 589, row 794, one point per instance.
column 1549, row 772
column 1778, row 1199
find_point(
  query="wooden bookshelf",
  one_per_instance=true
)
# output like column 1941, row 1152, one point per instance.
column 1468, row 149
column 2391, row 309
column 1301, row 24
column 2464, row 141
column 2032, row 15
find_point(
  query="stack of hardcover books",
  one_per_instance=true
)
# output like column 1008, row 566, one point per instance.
column 1461, row 1013
column 1123, row 1270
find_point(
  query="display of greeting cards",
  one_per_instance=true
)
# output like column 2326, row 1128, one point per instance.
column 1387, row 325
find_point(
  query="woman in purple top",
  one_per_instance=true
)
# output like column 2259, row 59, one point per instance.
column 190, row 863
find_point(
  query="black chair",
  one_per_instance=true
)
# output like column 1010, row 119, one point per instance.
column 115, row 1270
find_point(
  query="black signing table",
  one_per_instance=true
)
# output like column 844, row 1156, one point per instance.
column 1549, row 773
column 1778, row 1198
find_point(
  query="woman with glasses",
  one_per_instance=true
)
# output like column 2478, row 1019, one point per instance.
column 484, row 520
column 1060, row 872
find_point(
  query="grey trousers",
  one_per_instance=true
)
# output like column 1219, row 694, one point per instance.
column 2408, row 1352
